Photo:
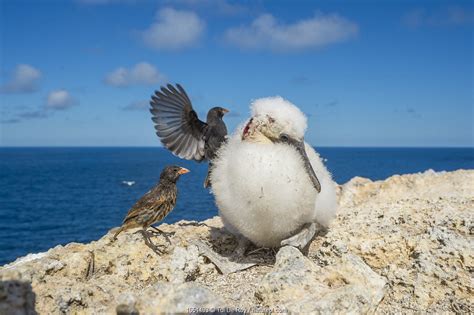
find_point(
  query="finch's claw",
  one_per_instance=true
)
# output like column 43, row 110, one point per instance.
column 150, row 244
column 157, row 231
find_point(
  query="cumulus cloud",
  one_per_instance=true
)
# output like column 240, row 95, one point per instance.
column 137, row 105
column 24, row 79
column 265, row 32
column 142, row 73
column 449, row 16
column 174, row 30
column 118, row 77
column 59, row 100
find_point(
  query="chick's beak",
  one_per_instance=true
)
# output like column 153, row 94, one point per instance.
column 309, row 169
column 183, row 170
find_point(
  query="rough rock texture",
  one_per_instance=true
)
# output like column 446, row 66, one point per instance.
column 402, row 245
column 297, row 284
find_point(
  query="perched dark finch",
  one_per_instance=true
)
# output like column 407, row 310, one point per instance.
column 155, row 205
column 182, row 132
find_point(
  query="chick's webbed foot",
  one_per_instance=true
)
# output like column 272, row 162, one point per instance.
column 302, row 238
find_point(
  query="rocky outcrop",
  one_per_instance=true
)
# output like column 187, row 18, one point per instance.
column 400, row 245
column 297, row 284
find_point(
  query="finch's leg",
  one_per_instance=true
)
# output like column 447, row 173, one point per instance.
column 160, row 232
column 149, row 243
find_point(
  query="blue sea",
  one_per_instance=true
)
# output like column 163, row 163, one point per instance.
column 51, row 196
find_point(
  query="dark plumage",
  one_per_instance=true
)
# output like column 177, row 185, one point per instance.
column 155, row 205
column 181, row 131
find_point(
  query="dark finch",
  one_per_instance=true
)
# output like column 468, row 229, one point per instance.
column 155, row 205
column 181, row 131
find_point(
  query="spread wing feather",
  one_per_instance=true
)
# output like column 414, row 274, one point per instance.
column 177, row 124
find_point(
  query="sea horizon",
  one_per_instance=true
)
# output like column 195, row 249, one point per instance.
column 57, row 195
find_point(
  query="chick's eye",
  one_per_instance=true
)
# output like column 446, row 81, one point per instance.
column 284, row 137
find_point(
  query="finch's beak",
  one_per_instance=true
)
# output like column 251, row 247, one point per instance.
column 183, row 171
column 225, row 110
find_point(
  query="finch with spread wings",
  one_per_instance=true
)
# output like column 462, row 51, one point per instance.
column 182, row 132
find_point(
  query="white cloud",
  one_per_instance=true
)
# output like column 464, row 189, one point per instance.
column 59, row 100
column 144, row 73
column 265, row 32
column 141, row 73
column 118, row 77
column 24, row 80
column 174, row 30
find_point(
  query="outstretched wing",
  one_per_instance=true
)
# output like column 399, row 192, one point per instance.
column 177, row 124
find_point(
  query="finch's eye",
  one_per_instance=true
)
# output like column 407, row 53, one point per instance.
column 284, row 137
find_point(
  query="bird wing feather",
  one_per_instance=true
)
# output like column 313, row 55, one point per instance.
column 177, row 124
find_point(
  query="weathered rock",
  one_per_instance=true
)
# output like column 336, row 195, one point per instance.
column 184, row 264
column 297, row 284
column 16, row 294
column 416, row 230
column 169, row 298
column 402, row 245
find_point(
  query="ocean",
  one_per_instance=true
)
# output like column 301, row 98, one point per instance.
column 51, row 196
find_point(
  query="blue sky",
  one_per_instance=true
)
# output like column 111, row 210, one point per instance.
column 367, row 73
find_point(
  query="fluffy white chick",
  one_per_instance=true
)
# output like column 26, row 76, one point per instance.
column 268, row 183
